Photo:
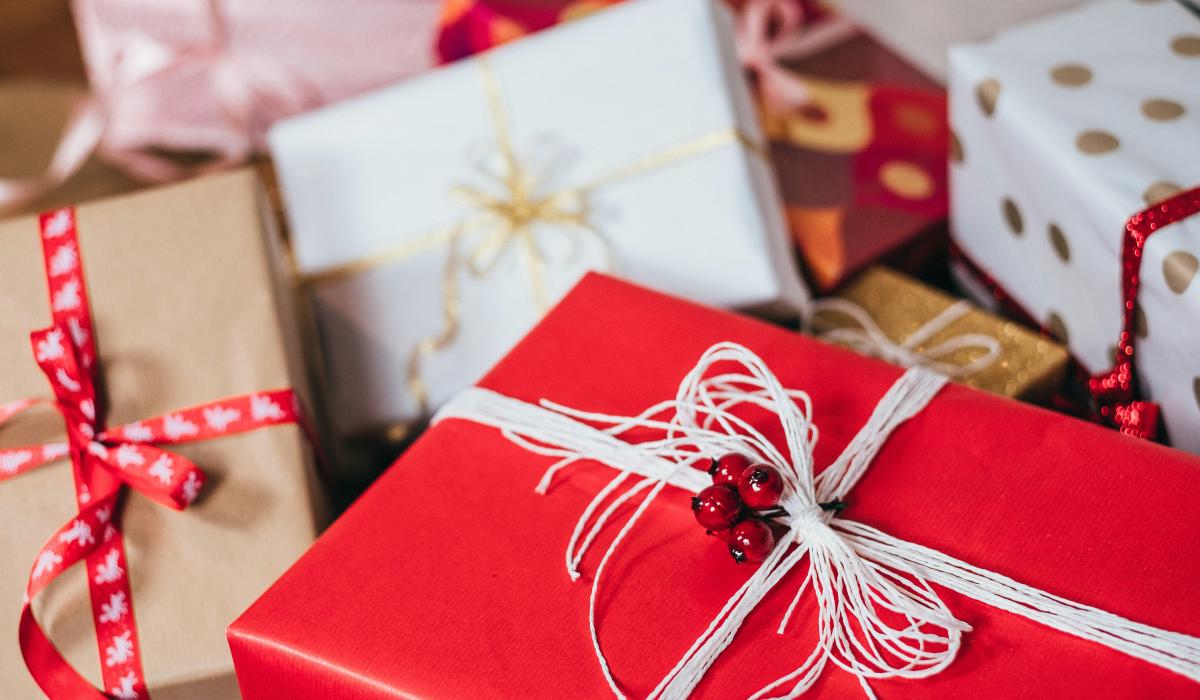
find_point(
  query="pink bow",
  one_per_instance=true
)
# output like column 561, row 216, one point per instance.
column 252, row 91
column 771, row 30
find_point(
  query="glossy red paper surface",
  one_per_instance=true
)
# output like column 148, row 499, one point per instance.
column 447, row 578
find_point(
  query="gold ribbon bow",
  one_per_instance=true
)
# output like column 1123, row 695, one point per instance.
column 498, row 221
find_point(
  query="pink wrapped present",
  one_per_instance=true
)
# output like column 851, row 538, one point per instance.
column 212, row 75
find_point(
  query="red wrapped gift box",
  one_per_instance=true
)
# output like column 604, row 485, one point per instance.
column 447, row 578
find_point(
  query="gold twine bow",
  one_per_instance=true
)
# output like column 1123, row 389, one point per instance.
column 499, row 221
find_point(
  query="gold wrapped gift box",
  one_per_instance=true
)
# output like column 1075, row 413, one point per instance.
column 1029, row 366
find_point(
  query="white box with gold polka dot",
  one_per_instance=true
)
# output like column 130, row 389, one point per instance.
column 1064, row 129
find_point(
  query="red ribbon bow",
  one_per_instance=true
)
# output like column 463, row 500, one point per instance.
column 103, row 461
column 1114, row 393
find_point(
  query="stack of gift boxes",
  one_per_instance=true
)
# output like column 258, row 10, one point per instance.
column 604, row 248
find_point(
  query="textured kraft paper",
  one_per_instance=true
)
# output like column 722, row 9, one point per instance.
column 33, row 115
column 189, row 306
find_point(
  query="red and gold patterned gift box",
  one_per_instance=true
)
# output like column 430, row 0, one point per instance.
column 163, row 374
column 862, row 162
column 447, row 579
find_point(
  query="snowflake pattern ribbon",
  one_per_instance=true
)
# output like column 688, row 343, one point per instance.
column 103, row 461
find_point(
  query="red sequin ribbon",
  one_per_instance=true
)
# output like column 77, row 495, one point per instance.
column 104, row 460
column 1114, row 392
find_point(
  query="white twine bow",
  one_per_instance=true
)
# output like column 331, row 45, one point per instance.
column 869, row 339
column 879, row 616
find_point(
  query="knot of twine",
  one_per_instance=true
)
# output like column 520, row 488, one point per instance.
column 869, row 339
column 507, row 209
column 879, row 616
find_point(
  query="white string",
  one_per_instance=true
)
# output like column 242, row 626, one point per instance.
column 869, row 339
column 878, row 614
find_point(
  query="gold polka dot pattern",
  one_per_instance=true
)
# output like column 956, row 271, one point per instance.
column 987, row 93
column 1096, row 142
column 1071, row 74
column 1012, row 216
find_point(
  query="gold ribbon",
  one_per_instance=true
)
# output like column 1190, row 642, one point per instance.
column 508, row 220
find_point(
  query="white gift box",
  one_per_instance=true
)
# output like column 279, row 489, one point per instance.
column 1065, row 129
column 922, row 30
column 647, row 97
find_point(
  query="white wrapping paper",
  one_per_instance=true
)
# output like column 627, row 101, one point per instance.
column 1066, row 128
column 922, row 30
column 579, row 101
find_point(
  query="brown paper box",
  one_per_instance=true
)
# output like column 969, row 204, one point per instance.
column 1030, row 367
column 189, row 306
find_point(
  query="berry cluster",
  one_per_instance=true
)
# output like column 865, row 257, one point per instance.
column 736, row 508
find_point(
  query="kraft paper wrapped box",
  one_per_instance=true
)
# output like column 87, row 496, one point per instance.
column 179, row 75
column 1026, row 366
column 436, row 219
column 447, row 578
column 189, row 306
column 1059, row 142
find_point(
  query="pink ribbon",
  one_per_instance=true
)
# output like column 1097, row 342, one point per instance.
column 771, row 30
column 252, row 92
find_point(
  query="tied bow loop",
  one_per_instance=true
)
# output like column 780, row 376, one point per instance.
column 770, row 30
column 500, row 221
column 868, row 338
column 165, row 477
column 250, row 91
column 879, row 616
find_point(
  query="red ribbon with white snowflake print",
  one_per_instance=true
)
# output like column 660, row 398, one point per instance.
column 103, row 461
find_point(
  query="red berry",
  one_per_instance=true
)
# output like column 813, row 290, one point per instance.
column 751, row 540
column 760, row 486
column 717, row 507
column 727, row 468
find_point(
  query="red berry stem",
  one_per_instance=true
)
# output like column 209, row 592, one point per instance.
column 767, row 514
column 836, row 505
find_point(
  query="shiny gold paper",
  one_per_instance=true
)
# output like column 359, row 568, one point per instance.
column 190, row 305
column 1030, row 367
